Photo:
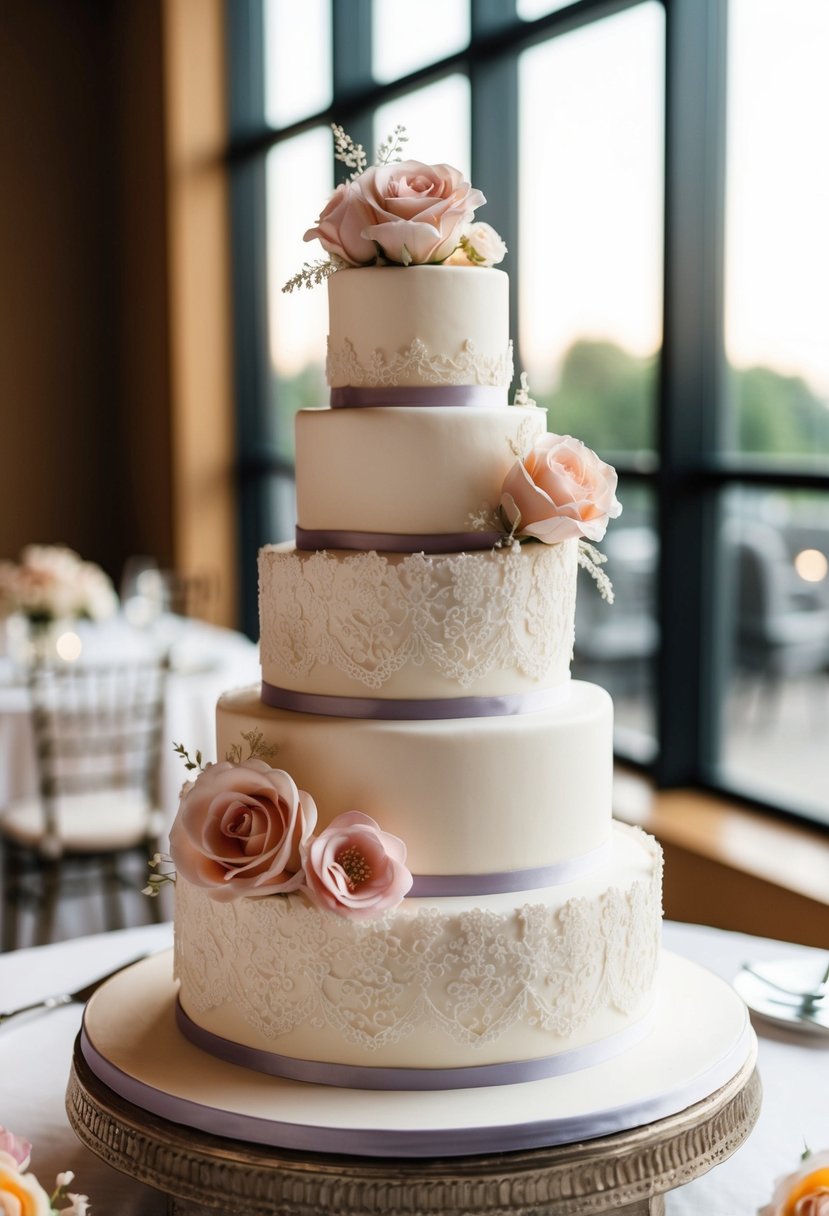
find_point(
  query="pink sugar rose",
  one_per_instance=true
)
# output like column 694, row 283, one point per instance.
column 341, row 224
column 355, row 869
column 560, row 490
column 419, row 211
column 239, row 830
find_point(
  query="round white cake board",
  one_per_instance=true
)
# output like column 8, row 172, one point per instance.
column 701, row 1038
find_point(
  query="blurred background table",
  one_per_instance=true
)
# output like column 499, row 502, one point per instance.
column 205, row 660
column 35, row 1057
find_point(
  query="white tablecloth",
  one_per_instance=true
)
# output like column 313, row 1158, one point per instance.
column 206, row 660
column 35, row 1056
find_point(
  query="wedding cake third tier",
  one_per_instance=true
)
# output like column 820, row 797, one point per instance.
column 404, row 872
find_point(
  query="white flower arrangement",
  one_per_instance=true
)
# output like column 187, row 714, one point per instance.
column 52, row 582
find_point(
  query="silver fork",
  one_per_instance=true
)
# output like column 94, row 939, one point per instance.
column 79, row 997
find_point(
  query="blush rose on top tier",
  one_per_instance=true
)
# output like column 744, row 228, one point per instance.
column 560, row 490
column 239, row 830
column 354, row 868
column 408, row 212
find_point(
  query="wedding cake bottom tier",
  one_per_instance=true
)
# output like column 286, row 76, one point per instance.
column 701, row 1039
column 440, row 993
column 503, row 798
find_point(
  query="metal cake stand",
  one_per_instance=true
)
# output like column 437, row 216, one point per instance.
column 627, row 1173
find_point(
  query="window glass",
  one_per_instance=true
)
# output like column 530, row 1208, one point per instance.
column 777, row 236
column 590, row 198
column 436, row 119
column 299, row 181
column 616, row 643
column 775, row 563
column 297, row 59
column 406, row 38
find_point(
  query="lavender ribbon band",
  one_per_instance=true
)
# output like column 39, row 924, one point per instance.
column 501, row 883
column 356, row 1076
column 426, row 710
column 350, row 396
column 314, row 539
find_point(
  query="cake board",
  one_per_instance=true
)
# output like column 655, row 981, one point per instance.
column 145, row 1100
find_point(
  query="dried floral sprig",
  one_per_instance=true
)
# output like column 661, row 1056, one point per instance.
column 314, row 273
column 592, row 560
column 347, row 152
column 156, row 881
column 392, row 146
column 190, row 763
column 258, row 749
column 522, row 393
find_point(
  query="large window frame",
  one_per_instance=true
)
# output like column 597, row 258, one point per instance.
column 691, row 472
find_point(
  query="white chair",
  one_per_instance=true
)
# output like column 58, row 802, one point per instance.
column 97, row 733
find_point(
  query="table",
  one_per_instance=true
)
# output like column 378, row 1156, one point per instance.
column 35, row 1057
column 205, row 660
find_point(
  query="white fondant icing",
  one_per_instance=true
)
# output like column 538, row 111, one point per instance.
column 435, row 983
column 406, row 470
column 417, row 626
column 419, row 325
column 468, row 796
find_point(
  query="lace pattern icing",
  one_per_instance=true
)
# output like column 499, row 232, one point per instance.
column 416, row 364
column 471, row 976
column 464, row 615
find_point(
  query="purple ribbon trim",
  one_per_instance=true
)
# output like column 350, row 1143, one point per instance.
column 438, row 885
column 313, row 539
column 355, row 1076
column 427, row 710
column 350, row 396
column 418, row 1142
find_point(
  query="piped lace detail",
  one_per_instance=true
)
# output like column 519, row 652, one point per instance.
column 471, row 976
column 463, row 615
column 417, row 365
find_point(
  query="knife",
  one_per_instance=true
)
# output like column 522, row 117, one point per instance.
column 79, row 997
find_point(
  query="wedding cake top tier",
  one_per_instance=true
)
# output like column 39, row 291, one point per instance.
column 420, row 326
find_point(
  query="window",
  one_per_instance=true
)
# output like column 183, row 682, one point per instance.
column 653, row 168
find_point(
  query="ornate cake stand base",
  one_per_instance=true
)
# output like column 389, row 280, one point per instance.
column 202, row 1174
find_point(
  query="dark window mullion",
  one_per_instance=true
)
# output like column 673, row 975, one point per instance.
column 494, row 106
column 248, row 219
column 691, row 659
column 351, row 43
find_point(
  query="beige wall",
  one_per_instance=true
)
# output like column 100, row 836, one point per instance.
column 103, row 353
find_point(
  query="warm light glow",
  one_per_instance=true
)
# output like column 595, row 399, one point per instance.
column 811, row 565
column 69, row 647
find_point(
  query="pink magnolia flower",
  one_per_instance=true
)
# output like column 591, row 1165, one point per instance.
column 354, row 868
column 804, row 1192
column 16, row 1147
column 560, row 490
column 239, row 830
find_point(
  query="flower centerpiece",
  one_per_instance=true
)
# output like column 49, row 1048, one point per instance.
column 50, row 585
column 20, row 1192
column 398, row 212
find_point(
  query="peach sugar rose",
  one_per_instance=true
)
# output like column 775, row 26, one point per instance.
column 804, row 1192
column 560, row 490
column 410, row 212
column 239, row 830
column 354, row 868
